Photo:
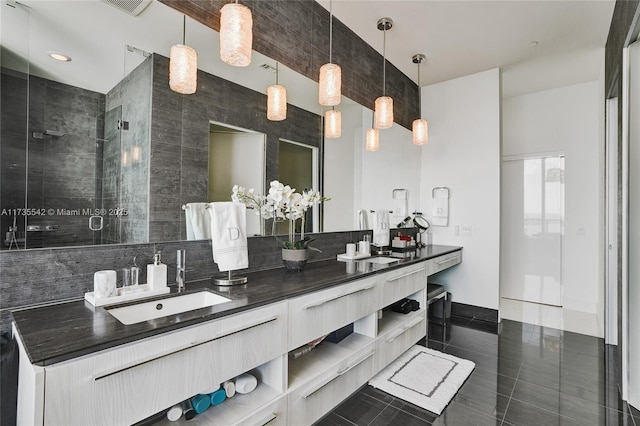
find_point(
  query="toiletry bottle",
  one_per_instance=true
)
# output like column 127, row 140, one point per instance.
column 156, row 273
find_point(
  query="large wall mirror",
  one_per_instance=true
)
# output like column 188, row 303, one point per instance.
column 98, row 150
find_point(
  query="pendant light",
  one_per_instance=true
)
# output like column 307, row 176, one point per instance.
column 183, row 66
column 420, row 126
column 372, row 139
column 276, row 101
column 332, row 124
column 384, row 104
column 236, row 34
column 330, row 82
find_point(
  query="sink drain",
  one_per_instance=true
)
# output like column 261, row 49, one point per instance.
column 159, row 306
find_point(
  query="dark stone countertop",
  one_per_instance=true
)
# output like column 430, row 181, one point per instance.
column 64, row 331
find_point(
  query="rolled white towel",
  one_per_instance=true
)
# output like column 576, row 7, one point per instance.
column 246, row 383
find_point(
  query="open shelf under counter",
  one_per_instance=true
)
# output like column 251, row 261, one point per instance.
column 232, row 410
column 323, row 357
column 391, row 320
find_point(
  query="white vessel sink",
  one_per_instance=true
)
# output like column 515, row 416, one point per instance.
column 164, row 307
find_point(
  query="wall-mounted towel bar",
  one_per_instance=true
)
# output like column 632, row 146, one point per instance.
column 186, row 206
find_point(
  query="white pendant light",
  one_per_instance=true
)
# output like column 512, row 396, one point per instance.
column 420, row 130
column 183, row 66
column 420, row 127
column 384, row 104
column 373, row 140
column 276, row 101
column 236, row 34
column 332, row 124
column 330, row 82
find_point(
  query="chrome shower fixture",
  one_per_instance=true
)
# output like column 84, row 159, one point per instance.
column 55, row 133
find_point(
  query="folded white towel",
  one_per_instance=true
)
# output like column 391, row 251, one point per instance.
column 440, row 208
column 198, row 221
column 229, row 235
column 381, row 228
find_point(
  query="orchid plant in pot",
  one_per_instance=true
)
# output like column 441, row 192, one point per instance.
column 283, row 203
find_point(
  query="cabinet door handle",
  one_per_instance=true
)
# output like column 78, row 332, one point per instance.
column 405, row 275
column 404, row 329
column 338, row 374
column 315, row 305
column 104, row 374
column 268, row 419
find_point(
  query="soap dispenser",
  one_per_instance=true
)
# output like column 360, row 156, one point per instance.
column 156, row 273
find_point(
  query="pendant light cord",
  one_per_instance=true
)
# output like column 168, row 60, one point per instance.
column 384, row 62
column 276, row 73
column 330, row 30
column 184, row 28
column 419, row 92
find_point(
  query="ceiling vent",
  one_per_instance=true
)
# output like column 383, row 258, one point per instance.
column 132, row 7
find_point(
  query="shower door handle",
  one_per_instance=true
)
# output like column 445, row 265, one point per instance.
column 95, row 223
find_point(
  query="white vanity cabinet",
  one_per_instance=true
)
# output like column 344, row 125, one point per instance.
column 321, row 312
column 131, row 382
column 440, row 263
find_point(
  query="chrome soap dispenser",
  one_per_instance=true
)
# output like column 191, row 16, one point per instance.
column 157, row 273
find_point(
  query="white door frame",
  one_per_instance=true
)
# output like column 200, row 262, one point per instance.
column 611, row 251
column 315, row 212
column 625, row 224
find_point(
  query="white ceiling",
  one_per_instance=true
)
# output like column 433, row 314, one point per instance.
column 458, row 37
column 464, row 37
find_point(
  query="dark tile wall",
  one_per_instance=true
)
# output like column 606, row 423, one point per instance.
column 180, row 141
column 60, row 170
column 296, row 33
column 32, row 277
column 14, row 88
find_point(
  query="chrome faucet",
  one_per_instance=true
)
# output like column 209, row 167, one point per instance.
column 181, row 269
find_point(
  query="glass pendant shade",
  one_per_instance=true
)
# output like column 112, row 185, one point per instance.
column 236, row 34
column 330, row 85
column 332, row 124
column 420, row 132
column 276, row 102
column 183, row 69
column 384, row 112
column 372, row 140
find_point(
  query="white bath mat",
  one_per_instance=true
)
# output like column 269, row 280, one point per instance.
column 424, row 377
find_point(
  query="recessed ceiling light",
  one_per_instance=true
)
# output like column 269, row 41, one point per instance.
column 59, row 56
column 533, row 44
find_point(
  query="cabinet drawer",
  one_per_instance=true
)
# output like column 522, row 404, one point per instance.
column 320, row 313
column 445, row 261
column 275, row 414
column 310, row 402
column 401, row 283
column 130, row 383
column 396, row 341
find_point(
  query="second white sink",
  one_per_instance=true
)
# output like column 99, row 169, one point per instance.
column 164, row 307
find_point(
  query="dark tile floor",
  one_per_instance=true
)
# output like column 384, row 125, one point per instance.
column 525, row 375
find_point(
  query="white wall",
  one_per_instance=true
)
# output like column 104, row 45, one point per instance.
column 339, row 172
column 568, row 119
column 396, row 165
column 463, row 154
